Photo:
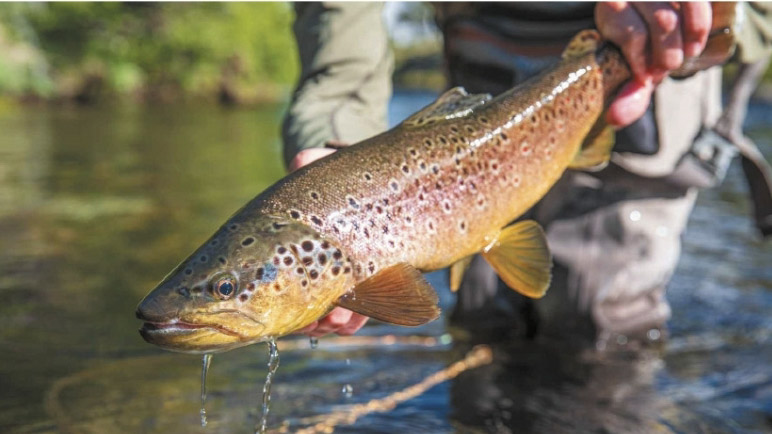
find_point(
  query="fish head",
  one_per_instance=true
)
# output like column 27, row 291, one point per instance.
column 251, row 281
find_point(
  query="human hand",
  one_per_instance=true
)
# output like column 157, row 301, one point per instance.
column 308, row 156
column 341, row 321
column 654, row 38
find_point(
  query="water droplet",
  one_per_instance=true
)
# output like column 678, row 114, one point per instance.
column 207, row 360
column 635, row 215
column 348, row 362
column 313, row 341
column 347, row 391
column 273, row 365
column 654, row 334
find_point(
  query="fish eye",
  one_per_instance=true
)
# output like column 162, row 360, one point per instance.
column 224, row 288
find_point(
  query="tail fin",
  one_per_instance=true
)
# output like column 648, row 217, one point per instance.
column 721, row 40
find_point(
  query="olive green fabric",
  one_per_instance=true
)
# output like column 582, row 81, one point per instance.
column 345, row 81
column 754, row 36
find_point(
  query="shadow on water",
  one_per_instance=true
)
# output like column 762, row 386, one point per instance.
column 97, row 205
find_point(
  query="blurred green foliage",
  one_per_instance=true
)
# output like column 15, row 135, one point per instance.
column 155, row 50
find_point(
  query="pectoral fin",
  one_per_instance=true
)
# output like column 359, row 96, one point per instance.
column 457, row 271
column 596, row 151
column 398, row 294
column 520, row 256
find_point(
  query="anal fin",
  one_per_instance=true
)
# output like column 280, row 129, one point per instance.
column 398, row 294
column 520, row 256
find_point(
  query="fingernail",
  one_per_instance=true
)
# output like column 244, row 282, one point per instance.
column 692, row 49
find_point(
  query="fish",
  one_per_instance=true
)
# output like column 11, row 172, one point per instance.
column 357, row 228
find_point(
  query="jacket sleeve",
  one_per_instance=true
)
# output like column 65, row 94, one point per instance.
column 345, row 80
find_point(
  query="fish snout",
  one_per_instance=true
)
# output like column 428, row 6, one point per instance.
column 159, row 309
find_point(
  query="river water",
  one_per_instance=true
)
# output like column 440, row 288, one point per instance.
column 98, row 204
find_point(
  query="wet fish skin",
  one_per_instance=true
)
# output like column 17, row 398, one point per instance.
column 353, row 228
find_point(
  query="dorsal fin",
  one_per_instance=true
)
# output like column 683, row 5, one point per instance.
column 586, row 41
column 454, row 103
column 398, row 294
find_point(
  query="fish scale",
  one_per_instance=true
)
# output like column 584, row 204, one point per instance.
column 356, row 228
column 518, row 135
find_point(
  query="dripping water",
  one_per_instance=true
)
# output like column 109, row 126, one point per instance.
column 313, row 342
column 348, row 391
column 273, row 365
column 204, row 369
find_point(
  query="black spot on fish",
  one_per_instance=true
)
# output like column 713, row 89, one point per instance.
column 313, row 274
column 323, row 258
column 371, row 267
column 203, row 258
column 378, row 209
column 394, row 185
column 243, row 297
column 442, row 140
column 366, row 232
column 276, row 260
column 247, row 241
column 316, row 220
column 368, row 176
column 385, row 229
column 250, row 286
column 405, row 169
column 259, row 273
column 428, row 143
column 215, row 242
column 281, row 250
column 314, row 195
column 188, row 271
column 353, row 203
column 233, row 227
column 454, row 129
column 325, row 245
column 307, row 260
column 469, row 129
column 278, row 226
column 288, row 260
column 307, row 245
column 435, row 169
column 222, row 260
column 276, row 287
column 504, row 136
column 304, row 282
column 462, row 225
column 413, row 152
column 335, row 270
column 294, row 214
column 337, row 255
column 483, row 120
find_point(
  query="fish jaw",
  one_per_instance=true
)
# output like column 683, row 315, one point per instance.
column 183, row 337
column 191, row 334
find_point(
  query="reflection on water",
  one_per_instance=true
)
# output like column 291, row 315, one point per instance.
column 96, row 205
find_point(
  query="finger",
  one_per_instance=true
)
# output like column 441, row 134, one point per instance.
column 664, row 24
column 630, row 104
column 308, row 156
column 696, row 20
column 334, row 320
column 619, row 23
column 307, row 329
column 356, row 323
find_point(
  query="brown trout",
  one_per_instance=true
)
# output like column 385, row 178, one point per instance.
column 357, row 228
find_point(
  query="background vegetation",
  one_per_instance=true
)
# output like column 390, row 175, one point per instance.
column 236, row 52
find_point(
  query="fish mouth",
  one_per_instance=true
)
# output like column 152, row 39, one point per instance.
column 184, row 336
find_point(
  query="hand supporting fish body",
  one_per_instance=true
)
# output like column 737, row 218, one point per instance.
column 357, row 228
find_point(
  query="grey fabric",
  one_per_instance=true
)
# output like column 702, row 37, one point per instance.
column 345, row 81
